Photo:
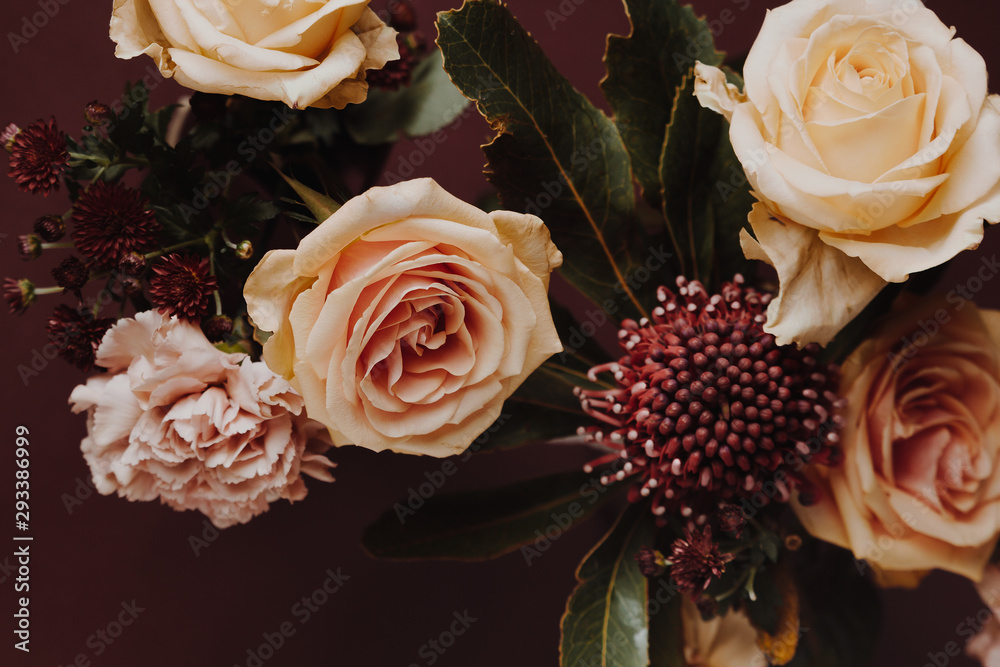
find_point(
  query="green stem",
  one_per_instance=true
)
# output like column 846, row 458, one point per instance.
column 42, row 291
column 54, row 246
column 207, row 240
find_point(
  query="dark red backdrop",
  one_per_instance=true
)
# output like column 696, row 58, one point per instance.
column 209, row 609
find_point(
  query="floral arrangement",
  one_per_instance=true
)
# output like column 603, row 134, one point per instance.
column 778, row 386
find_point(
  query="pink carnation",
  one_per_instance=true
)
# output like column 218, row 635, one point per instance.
column 176, row 419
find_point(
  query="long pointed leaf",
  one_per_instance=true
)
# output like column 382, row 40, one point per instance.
column 485, row 524
column 555, row 154
column 605, row 622
column 645, row 70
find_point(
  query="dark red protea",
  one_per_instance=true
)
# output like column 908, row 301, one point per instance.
column 182, row 285
column 71, row 274
column 110, row 220
column 38, row 157
column 695, row 560
column 709, row 408
column 50, row 228
column 77, row 336
column 19, row 294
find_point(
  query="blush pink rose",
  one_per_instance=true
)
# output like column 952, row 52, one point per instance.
column 919, row 487
column 176, row 419
column 408, row 317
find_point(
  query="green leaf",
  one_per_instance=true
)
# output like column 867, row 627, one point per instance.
column 605, row 620
column 428, row 104
column 645, row 71
column 318, row 203
column 706, row 197
column 555, row 154
column 483, row 524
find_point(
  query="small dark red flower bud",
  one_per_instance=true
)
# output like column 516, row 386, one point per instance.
column 131, row 264
column 651, row 562
column 29, row 247
column 50, row 228
column 19, row 294
column 217, row 328
column 96, row 113
column 71, row 274
column 8, row 136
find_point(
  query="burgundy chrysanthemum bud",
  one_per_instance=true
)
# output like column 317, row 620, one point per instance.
column 71, row 274
column 244, row 250
column 651, row 562
column 695, row 560
column 8, row 135
column 19, row 294
column 131, row 264
column 29, row 247
column 182, row 285
column 38, row 157
column 731, row 519
column 110, row 220
column 50, row 228
column 131, row 285
column 77, row 335
column 217, row 328
column 96, row 113
column 709, row 408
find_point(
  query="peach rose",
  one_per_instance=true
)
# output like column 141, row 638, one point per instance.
column 919, row 487
column 302, row 52
column 868, row 137
column 726, row 641
column 176, row 419
column 408, row 317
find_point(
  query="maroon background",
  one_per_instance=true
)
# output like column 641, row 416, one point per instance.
column 211, row 608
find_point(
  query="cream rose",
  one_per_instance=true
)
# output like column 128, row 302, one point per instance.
column 176, row 419
column 919, row 487
column 302, row 52
column 408, row 317
column 868, row 137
